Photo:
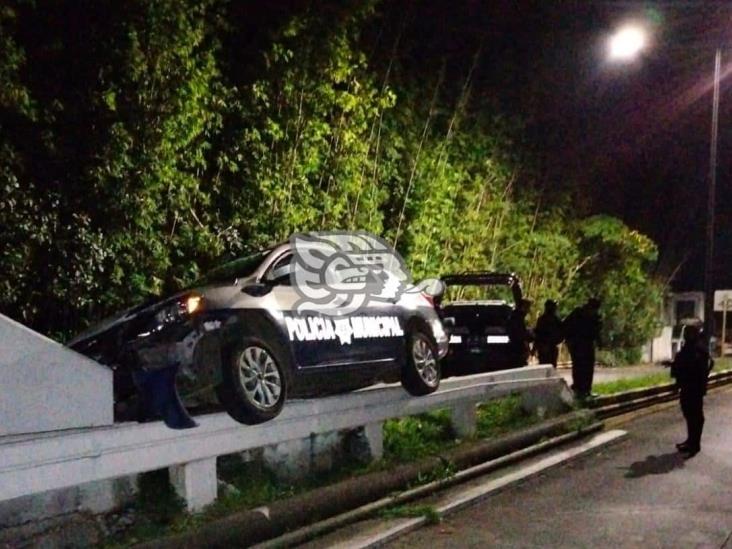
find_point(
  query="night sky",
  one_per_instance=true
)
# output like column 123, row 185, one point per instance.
column 635, row 136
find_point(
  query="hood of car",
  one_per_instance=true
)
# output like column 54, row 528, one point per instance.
column 123, row 317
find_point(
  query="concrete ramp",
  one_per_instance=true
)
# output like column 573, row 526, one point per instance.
column 46, row 387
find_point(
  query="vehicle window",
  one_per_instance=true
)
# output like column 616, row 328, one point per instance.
column 488, row 292
column 239, row 268
column 279, row 272
column 685, row 309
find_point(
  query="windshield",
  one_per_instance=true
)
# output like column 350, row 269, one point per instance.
column 478, row 293
column 239, row 268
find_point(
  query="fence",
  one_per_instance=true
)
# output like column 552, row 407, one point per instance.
column 30, row 464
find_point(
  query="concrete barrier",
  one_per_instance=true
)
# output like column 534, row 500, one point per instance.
column 46, row 387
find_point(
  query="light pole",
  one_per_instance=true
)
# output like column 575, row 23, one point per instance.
column 625, row 45
column 709, row 259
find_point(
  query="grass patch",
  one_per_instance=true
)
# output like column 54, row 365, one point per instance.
column 501, row 416
column 415, row 437
column 411, row 511
column 650, row 380
column 628, row 384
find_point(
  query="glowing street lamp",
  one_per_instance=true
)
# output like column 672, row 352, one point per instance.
column 627, row 43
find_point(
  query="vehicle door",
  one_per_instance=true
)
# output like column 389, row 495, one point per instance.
column 321, row 335
column 320, row 338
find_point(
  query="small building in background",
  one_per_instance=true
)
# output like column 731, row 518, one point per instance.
column 679, row 309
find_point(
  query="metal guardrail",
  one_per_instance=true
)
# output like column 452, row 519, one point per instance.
column 628, row 401
column 36, row 463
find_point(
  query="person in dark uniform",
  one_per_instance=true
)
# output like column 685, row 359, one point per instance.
column 691, row 368
column 548, row 334
column 582, row 331
column 519, row 336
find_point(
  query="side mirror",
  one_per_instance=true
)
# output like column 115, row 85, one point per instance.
column 434, row 287
column 257, row 289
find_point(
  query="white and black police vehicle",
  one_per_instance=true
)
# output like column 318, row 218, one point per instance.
column 476, row 308
column 320, row 314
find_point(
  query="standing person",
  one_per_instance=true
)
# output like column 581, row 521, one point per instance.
column 548, row 334
column 691, row 368
column 518, row 335
column 582, row 331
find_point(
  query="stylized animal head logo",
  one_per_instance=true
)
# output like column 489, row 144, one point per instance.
column 342, row 272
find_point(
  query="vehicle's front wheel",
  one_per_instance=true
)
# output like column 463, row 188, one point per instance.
column 254, row 385
column 421, row 374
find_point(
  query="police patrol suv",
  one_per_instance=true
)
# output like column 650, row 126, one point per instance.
column 319, row 314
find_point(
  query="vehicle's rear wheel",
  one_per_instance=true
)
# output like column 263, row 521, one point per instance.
column 421, row 374
column 254, row 382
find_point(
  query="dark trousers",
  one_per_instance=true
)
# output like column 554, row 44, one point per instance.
column 583, row 366
column 519, row 356
column 692, row 406
column 548, row 353
column 159, row 398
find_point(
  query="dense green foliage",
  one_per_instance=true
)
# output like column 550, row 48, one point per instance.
column 140, row 146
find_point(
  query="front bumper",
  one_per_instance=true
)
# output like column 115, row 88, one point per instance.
column 171, row 346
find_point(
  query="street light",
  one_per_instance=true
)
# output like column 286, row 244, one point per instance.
column 627, row 42
column 625, row 45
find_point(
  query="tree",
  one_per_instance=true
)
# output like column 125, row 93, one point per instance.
column 619, row 263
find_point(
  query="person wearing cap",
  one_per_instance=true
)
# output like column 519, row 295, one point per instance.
column 548, row 334
column 582, row 331
column 690, row 368
column 519, row 336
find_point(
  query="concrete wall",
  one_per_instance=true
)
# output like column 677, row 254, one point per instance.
column 66, row 517
column 659, row 348
column 46, row 387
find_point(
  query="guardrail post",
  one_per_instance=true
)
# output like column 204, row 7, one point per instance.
column 463, row 418
column 195, row 482
column 374, row 434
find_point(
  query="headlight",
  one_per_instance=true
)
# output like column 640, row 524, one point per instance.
column 456, row 339
column 179, row 310
column 193, row 303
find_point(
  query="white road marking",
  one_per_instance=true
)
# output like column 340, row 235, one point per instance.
column 476, row 493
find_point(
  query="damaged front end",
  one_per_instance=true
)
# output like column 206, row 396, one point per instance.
column 147, row 348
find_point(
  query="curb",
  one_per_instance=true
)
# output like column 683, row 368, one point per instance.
column 629, row 401
column 631, row 413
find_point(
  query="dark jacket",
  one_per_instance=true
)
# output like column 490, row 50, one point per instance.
column 519, row 337
column 517, row 331
column 691, row 368
column 548, row 330
column 582, row 326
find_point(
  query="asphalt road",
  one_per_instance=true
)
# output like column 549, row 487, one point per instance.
column 636, row 493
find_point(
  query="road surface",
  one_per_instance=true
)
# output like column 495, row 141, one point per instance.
column 636, row 493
